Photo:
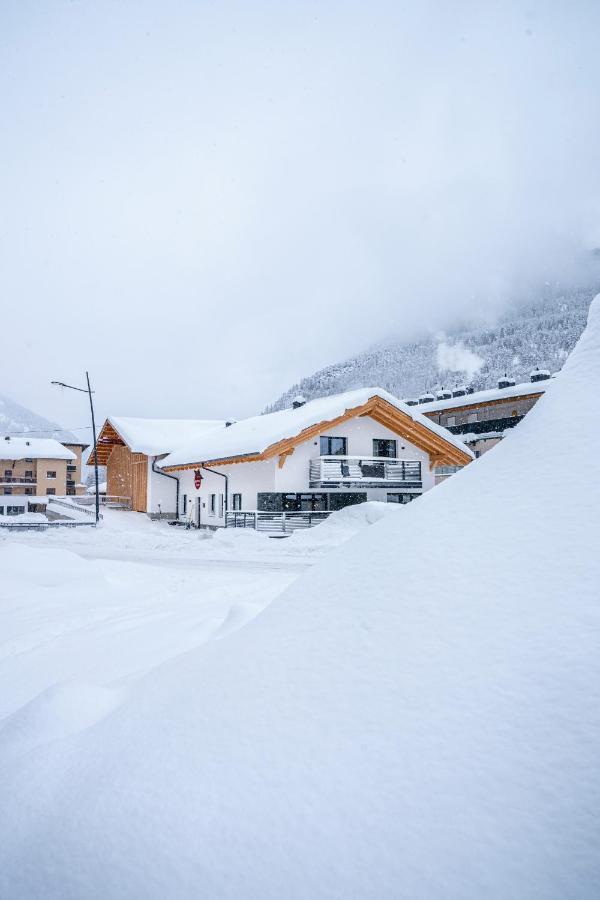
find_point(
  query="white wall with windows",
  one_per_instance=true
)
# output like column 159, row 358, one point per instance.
column 247, row 480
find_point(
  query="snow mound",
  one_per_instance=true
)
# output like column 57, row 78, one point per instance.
column 48, row 568
column 57, row 712
column 416, row 717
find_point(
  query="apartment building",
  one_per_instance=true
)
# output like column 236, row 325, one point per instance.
column 39, row 467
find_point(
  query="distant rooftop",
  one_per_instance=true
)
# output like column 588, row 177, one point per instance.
column 14, row 448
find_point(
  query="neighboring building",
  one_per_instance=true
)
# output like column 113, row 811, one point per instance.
column 74, row 484
column 37, row 466
column 130, row 447
column 479, row 413
column 317, row 456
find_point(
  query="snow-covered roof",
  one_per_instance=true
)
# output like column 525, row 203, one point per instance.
column 253, row 436
column 472, row 436
column 482, row 397
column 156, row 436
column 33, row 448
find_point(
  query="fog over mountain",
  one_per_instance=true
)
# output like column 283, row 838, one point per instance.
column 538, row 333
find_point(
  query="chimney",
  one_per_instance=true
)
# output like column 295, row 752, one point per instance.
column 506, row 382
column 539, row 375
column 298, row 401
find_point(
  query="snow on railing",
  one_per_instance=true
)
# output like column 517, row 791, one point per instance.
column 372, row 469
column 275, row 522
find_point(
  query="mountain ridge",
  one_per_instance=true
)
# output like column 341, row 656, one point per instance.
column 19, row 420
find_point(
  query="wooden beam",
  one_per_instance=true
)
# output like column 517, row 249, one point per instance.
column 283, row 457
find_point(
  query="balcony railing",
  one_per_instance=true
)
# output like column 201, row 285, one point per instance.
column 373, row 471
column 17, row 479
column 274, row 522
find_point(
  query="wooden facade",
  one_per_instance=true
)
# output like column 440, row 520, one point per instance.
column 126, row 472
column 127, row 476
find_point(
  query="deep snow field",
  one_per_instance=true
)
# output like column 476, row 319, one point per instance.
column 86, row 607
column 408, row 709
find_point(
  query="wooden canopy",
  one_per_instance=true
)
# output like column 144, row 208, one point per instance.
column 106, row 440
column 441, row 450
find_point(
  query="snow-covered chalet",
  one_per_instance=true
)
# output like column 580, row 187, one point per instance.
column 317, row 456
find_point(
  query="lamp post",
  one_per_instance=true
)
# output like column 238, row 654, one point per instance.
column 89, row 392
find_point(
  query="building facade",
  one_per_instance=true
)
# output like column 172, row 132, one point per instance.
column 38, row 466
column 484, row 412
column 330, row 453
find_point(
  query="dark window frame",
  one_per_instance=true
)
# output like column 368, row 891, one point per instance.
column 326, row 445
column 391, row 441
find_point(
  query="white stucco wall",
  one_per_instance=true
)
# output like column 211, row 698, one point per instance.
column 250, row 479
column 161, row 492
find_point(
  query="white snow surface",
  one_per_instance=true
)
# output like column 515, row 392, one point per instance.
column 417, row 716
column 24, row 518
column 254, row 435
column 156, row 436
column 33, row 448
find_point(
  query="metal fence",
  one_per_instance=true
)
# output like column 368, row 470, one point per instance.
column 275, row 522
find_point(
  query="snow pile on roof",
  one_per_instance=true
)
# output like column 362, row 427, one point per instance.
column 33, row 448
column 156, row 436
column 254, row 435
column 482, row 397
column 416, row 717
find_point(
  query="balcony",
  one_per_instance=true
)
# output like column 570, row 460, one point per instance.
column 365, row 471
column 16, row 479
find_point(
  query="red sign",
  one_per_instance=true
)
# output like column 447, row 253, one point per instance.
column 197, row 479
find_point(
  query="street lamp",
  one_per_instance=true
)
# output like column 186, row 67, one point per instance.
column 89, row 392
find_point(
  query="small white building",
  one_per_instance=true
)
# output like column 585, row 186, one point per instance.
column 318, row 456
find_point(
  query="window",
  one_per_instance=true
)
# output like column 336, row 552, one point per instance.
column 1, row 510
column 213, row 504
column 401, row 498
column 50, row 491
column 384, row 447
column 29, row 490
column 334, row 446
column 221, row 506
column 7, row 473
column 7, row 491
column 237, row 501
column 51, row 474
column 28, row 473
column 28, row 460
column 184, row 504
column 14, row 510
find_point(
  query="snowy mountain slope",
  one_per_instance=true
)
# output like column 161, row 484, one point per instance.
column 413, row 724
column 16, row 419
column 540, row 333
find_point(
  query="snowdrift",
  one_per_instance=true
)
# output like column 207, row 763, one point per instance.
column 416, row 717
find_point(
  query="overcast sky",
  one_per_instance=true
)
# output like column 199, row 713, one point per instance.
column 202, row 202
